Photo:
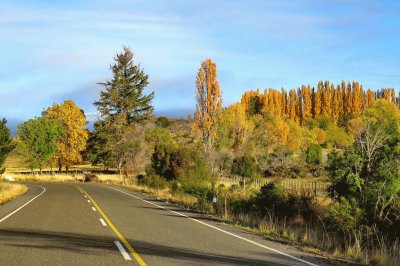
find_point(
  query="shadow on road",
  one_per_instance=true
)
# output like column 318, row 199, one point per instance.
column 89, row 244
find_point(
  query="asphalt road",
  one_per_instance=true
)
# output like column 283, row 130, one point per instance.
column 92, row 224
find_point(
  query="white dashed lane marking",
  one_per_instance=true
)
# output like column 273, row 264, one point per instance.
column 122, row 250
column 102, row 222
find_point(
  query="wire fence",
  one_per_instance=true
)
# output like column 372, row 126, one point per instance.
column 314, row 187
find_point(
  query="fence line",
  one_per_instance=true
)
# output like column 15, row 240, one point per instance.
column 315, row 187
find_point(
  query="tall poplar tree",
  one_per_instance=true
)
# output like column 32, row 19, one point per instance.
column 369, row 98
column 209, row 103
column 307, row 101
column 123, row 94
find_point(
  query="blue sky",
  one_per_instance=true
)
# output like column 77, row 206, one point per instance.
column 56, row 50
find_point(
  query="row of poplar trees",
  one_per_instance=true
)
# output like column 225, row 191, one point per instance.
column 344, row 100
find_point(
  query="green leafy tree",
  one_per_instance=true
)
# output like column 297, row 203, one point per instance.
column 159, row 135
column 245, row 166
column 37, row 140
column 337, row 137
column 165, row 160
column 6, row 143
column 314, row 154
column 367, row 174
column 123, row 94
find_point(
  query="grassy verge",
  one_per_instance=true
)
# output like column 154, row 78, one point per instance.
column 70, row 177
column 308, row 236
column 11, row 191
column 164, row 194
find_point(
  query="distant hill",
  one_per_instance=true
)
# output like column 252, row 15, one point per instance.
column 175, row 113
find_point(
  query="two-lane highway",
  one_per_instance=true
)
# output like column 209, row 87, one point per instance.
column 92, row 224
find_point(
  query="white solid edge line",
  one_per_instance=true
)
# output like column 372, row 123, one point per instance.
column 94, row 209
column 7, row 216
column 122, row 250
column 102, row 222
column 221, row 230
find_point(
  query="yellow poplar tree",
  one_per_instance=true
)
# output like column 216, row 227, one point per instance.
column 325, row 99
column 344, row 93
column 284, row 101
column 307, row 101
column 277, row 102
column 317, row 101
column 369, row 98
column 335, row 106
column 292, row 105
column 358, row 99
column 393, row 95
column 269, row 99
column 299, row 107
column 239, row 126
column 209, row 103
column 73, row 120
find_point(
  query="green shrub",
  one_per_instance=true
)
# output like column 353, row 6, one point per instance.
column 314, row 154
column 163, row 121
column 274, row 199
column 162, row 160
column 202, row 193
column 343, row 215
column 153, row 181
column 245, row 166
column 195, row 173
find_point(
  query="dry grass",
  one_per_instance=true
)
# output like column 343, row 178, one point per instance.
column 165, row 194
column 15, row 162
column 11, row 191
column 43, row 178
column 71, row 177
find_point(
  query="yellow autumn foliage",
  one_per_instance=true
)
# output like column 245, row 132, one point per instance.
column 75, row 137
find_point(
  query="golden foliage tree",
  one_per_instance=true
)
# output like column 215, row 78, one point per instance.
column 393, row 95
column 209, row 103
column 358, row 99
column 238, row 126
column 325, row 99
column 307, row 101
column 254, row 102
column 343, row 101
column 317, row 101
column 291, row 105
column 336, row 106
column 369, row 98
column 75, row 137
column 319, row 135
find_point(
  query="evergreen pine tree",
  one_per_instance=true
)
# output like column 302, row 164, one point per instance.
column 123, row 94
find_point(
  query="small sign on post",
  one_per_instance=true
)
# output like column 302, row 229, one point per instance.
column 214, row 199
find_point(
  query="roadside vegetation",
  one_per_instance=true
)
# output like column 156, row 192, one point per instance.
column 11, row 191
column 317, row 167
